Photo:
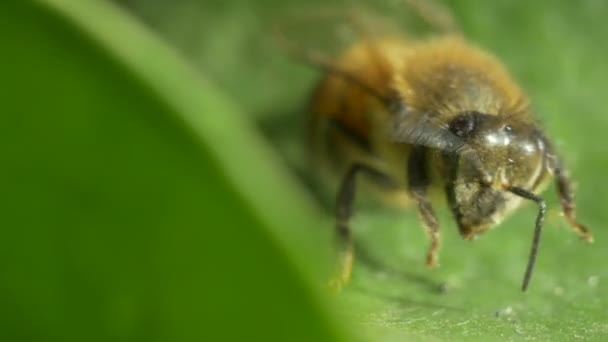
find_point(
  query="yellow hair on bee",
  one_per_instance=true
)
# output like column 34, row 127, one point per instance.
column 451, row 76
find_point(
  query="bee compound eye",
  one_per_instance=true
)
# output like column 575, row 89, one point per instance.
column 464, row 124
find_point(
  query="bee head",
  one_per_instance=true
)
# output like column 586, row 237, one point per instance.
column 500, row 152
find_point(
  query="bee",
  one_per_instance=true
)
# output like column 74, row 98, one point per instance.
column 411, row 115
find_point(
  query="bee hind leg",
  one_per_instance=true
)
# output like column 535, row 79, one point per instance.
column 344, row 212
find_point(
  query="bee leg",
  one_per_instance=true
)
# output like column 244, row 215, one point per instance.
column 432, row 228
column 566, row 195
column 418, row 183
column 344, row 211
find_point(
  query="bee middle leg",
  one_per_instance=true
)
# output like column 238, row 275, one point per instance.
column 418, row 183
column 344, row 212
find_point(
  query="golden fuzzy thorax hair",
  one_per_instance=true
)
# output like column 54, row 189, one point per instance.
column 447, row 76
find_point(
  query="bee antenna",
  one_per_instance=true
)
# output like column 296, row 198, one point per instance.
column 542, row 209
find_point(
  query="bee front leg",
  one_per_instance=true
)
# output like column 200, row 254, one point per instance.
column 418, row 183
column 566, row 195
column 344, row 212
column 432, row 228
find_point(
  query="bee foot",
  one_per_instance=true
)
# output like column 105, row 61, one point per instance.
column 587, row 237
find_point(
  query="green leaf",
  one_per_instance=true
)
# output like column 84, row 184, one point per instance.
column 137, row 202
column 557, row 51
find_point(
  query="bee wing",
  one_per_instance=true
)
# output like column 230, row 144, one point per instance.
column 325, row 32
column 328, row 32
column 425, row 129
column 319, row 37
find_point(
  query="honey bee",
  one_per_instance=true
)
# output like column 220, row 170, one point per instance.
column 409, row 115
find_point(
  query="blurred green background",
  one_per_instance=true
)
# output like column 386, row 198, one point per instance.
column 148, row 191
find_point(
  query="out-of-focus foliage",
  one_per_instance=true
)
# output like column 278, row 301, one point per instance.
column 129, row 207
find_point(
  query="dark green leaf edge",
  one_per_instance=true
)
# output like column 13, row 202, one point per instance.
column 248, row 163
